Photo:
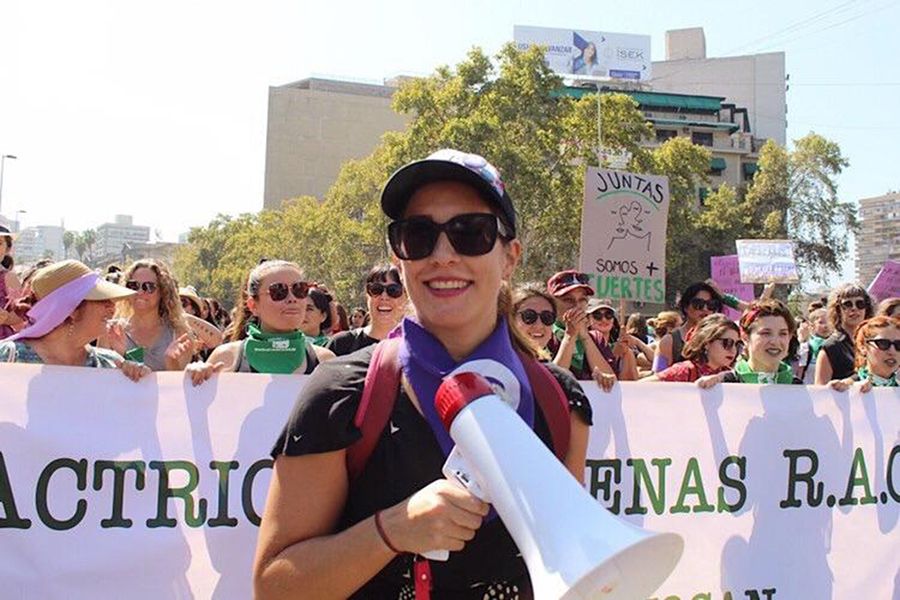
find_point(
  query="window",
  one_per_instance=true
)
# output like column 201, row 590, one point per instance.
column 702, row 138
column 665, row 134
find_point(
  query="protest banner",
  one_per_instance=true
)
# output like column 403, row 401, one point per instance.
column 154, row 490
column 725, row 271
column 767, row 261
column 623, row 234
column 887, row 283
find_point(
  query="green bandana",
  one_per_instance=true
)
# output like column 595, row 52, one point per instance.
column 815, row 344
column 877, row 380
column 747, row 375
column 275, row 353
column 135, row 354
column 320, row 340
column 578, row 355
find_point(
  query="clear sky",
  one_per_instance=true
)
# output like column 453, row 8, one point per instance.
column 159, row 109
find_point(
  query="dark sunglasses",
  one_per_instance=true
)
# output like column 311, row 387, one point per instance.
column 575, row 278
column 394, row 290
column 471, row 234
column 728, row 344
column 859, row 303
column 712, row 304
column 148, row 287
column 279, row 291
column 188, row 303
column 605, row 314
column 883, row 344
column 529, row 316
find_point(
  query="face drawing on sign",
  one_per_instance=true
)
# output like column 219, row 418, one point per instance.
column 631, row 223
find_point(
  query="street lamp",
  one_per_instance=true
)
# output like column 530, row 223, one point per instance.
column 2, row 162
column 18, row 221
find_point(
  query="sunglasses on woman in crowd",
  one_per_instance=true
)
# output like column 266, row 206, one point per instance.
column 147, row 287
column 375, row 289
column 883, row 344
column 471, row 234
column 712, row 304
column 849, row 304
column 529, row 316
column 728, row 344
column 279, row 291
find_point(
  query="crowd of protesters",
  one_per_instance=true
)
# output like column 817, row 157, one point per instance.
column 445, row 301
column 138, row 319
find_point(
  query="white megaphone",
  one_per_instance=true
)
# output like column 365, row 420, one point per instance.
column 573, row 547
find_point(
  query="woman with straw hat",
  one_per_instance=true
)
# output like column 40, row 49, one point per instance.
column 70, row 307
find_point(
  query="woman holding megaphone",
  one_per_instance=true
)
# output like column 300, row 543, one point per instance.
column 332, row 531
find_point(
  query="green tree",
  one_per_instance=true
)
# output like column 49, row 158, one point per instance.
column 68, row 241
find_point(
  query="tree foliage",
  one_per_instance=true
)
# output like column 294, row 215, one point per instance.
column 511, row 111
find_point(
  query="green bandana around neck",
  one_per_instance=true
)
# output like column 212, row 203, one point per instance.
column 275, row 353
column 748, row 375
column 877, row 380
column 578, row 355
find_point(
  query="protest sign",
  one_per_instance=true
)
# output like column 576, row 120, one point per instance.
column 623, row 234
column 725, row 271
column 887, row 283
column 154, row 490
column 767, row 261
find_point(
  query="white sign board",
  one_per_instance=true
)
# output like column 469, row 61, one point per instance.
column 767, row 261
column 582, row 53
column 623, row 234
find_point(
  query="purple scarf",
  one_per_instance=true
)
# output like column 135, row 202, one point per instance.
column 426, row 362
column 50, row 311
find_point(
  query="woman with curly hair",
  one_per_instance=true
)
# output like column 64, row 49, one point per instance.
column 151, row 327
column 848, row 306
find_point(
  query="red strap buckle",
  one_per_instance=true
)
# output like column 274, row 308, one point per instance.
column 422, row 575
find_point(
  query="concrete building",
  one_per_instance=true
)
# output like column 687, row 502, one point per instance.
column 757, row 82
column 111, row 237
column 314, row 126
column 43, row 241
column 878, row 239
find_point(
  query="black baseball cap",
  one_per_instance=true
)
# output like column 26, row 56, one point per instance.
column 448, row 165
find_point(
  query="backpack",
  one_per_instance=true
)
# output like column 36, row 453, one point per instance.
column 380, row 392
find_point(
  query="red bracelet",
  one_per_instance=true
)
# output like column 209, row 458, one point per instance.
column 383, row 535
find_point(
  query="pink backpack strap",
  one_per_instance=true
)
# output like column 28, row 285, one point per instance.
column 553, row 402
column 378, row 396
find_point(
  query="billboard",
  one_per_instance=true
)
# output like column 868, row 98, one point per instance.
column 580, row 53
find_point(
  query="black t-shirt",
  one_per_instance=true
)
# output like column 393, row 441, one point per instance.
column 348, row 342
column 406, row 459
column 841, row 355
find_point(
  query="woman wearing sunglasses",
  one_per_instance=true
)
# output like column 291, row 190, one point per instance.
column 698, row 301
column 69, row 306
column 877, row 355
column 535, row 315
column 266, row 335
column 712, row 349
column 848, row 306
column 151, row 328
column 617, row 349
column 453, row 233
column 386, row 303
